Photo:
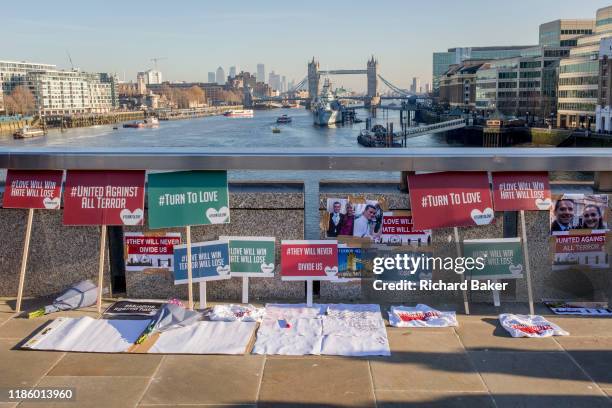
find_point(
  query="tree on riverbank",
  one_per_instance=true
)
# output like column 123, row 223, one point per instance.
column 20, row 102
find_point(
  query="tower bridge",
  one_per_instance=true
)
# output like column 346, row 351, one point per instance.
column 312, row 82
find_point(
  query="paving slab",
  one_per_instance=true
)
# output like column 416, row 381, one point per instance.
column 594, row 354
column 21, row 329
column 23, row 368
column 533, row 374
column 584, row 326
column 102, row 364
column 316, row 382
column 425, row 362
column 116, row 392
column 487, row 334
column 433, row 399
column 206, row 380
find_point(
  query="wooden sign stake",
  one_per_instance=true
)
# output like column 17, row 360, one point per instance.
column 101, row 265
column 245, row 289
column 466, row 306
column 496, row 299
column 24, row 258
column 527, row 267
column 203, row 295
column 189, row 271
column 309, row 293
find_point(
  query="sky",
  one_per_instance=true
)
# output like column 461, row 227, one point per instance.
column 196, row 37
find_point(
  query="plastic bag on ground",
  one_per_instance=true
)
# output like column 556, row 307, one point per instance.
column 232, row 313
column 83, row 294
column 421, row 316
column 530, row 326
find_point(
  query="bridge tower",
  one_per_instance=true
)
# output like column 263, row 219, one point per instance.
column 372, row 74
column 313, row 81
column 247, row 96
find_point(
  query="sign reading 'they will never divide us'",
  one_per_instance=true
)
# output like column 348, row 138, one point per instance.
column 109, row 197
column 39, row 189
column 185, row 198
column 450, row 199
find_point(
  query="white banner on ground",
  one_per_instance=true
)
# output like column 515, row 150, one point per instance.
column 530, row 326
column 88, row 335
column 421, row 316
column 232, row 313
column 206, row 338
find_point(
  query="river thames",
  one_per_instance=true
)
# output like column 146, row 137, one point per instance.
column 220, row 131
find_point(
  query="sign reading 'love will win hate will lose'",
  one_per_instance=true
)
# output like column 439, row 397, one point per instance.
column 450, row 199
column 113, row 197
column 502, row 258
column 184, row 198
column 516, row 191
column 309, row 260
column 39, row 189
column 209, row 261
column 251, row 256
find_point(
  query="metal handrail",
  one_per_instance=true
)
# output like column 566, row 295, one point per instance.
column 417, row 159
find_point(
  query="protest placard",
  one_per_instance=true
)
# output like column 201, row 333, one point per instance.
column 185, row 198
column 516, row 191
column 210, row 261
column 397, row 229
column 113, row 197
column 40, row 189
column 302, row 260
column 450, row 199
column 503, row 258
column 150, row 251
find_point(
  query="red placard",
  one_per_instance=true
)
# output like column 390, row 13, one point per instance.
column 515, row 191
column 33, row 189
column 309, row 259
column 113, row 197
column 450, row 199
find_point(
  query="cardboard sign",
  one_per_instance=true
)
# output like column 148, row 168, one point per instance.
column 251, row 256
column 397, row 229
column 147, row 251
column 350, row 263
column 585, row 250
column 503, row 258
column 301, row 260
column 114, row 197
column 450, row 199
column 40, row 189
column 186, row 198
column 209, row 260
column 516, row 191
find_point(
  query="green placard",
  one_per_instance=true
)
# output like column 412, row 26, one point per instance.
column 251, row 256
column 188, row 198
column 503, row 258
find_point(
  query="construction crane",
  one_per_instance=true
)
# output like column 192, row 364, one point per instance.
column 70, row 59
column 157, row 59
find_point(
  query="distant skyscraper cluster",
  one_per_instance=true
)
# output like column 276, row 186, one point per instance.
column 276, row 81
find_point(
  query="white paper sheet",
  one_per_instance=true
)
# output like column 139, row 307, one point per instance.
column 421, row 316
column 88, row 335
column 206, row 338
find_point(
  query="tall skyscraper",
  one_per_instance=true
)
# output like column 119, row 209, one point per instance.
column 414, row 87
column 220, row 76
column 232, row 72
column 283, row 84
column 211, row 77
column 274, row 81
column 261, row 73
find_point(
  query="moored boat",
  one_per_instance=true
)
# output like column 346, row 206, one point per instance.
column 239, row 113
column 284, row 119
column 327, row 110
column 27, row 132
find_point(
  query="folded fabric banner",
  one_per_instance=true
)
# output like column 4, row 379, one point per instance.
column 206, row 338
column 580, row 308
column 347, row 330
column 421, row 316
column 232, row 313
column 530, row 326
column 88, row 335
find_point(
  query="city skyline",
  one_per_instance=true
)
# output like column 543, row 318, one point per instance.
column 123, row 38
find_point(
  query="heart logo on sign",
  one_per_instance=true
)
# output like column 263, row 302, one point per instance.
column 331, row 271
column 543, row 204
column 217, row 217
column 516, row 269
column 267, row 268
column 131, row 217
column 223, row 270
column 482, row 217
column 51, row 203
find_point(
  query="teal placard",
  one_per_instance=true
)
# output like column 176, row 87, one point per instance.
column 503, row 258
column 251, row 256
column 184, row 198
